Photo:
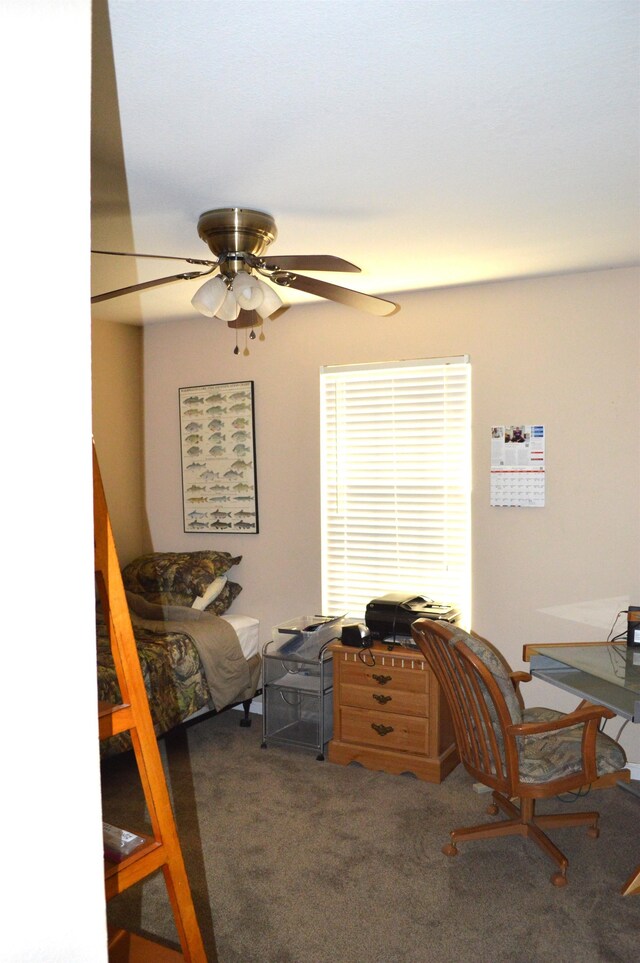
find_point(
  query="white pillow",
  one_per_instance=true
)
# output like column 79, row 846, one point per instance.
column 212, row 593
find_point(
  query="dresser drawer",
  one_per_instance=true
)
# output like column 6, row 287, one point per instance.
column 390, row 715
column 389, row 673
column 384, row 730
column 381, row 700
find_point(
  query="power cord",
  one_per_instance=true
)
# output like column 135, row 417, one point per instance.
column 621, row 728
column 570, row 797
column 621, row 635
column 362, row 655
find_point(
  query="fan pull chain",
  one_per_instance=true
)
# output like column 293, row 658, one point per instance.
column 249, row 335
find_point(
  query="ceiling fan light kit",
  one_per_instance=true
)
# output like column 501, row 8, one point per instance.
column 238, row 238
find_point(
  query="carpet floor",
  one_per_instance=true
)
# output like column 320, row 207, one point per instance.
column 292, row 860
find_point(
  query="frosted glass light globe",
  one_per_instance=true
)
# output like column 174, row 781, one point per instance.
column 247, row 290
column 209, row 297
column 270, row 301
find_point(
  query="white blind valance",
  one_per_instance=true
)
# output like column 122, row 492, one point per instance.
column 395, row 458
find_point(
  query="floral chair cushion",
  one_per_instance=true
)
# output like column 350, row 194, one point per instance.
column 552, row 755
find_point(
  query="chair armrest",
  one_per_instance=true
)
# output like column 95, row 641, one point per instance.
column 518, row 677
column 575, row 718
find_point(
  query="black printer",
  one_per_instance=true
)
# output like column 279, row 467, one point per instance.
column 390, row 617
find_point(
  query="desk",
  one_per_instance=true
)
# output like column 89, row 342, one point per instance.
column 604, row 673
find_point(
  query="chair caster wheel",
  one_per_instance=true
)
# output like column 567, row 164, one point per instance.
column 450, row 849
column 593, row 831
column 263, row 745
column 320, row 757
column 559, row 879
column 492, row 809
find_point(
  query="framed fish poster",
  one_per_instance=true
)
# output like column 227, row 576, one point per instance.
column 217, row 441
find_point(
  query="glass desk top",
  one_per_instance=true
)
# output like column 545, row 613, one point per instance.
column 602, row 673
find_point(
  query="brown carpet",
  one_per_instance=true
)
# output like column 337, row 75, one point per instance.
column 292, row 860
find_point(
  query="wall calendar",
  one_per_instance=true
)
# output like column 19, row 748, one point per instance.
column 518, row 466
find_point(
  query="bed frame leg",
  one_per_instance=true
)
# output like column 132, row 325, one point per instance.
column 246, row 705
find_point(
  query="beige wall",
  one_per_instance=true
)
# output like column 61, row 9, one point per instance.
column 562, row 351
column 117, row 430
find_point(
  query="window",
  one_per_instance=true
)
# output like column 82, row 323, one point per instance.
column 395, row 456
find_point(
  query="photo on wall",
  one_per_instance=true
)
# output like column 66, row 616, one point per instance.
column 217, row 442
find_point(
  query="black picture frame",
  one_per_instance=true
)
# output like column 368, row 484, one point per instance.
column 218, row 457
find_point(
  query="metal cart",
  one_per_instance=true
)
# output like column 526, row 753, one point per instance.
column 297, row 683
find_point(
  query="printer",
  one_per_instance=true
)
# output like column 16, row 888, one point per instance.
column 390, row 617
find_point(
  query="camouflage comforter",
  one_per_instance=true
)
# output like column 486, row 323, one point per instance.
column 174, row 672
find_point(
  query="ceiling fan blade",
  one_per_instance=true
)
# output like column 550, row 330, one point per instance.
column 354, row 299
column 308, row 262
column 164, row 257
column 148, row 284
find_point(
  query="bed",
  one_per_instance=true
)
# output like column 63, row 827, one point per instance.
column 196, row 656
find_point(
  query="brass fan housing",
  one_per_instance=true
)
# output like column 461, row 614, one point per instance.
column 237, row 230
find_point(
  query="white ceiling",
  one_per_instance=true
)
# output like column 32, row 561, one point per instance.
column 431, row 142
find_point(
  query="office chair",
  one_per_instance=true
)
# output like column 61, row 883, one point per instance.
column 522, row 754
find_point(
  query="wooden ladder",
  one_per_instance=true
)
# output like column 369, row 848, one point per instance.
column 161, row 849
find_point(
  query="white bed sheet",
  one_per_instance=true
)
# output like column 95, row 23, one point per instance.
column 248, row 632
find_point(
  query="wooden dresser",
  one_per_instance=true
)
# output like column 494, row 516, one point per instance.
column 390, row 715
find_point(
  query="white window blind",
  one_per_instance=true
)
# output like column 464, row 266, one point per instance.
column 395, row 456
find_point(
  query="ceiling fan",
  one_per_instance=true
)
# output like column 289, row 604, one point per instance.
column 239, row 239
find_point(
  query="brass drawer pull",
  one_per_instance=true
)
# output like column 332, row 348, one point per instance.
column 381, row 679
column 380, row 729
column 382, row 699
